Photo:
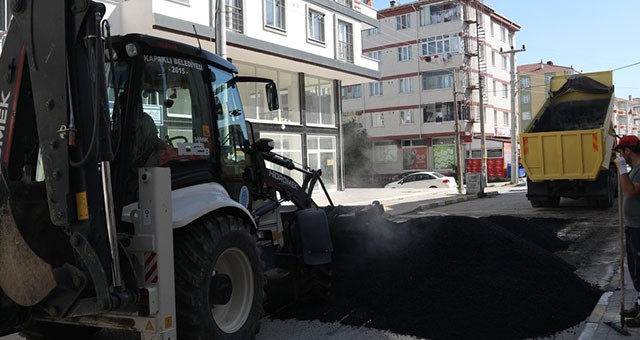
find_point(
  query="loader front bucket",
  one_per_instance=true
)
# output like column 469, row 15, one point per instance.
column 350, row 214
column 24, row 277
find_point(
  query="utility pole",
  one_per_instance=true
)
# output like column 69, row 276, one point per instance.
column 459, row 159
column 514, row 138
column 221, row 29
column 483, row 137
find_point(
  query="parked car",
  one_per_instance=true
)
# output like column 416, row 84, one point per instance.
column 424, row 179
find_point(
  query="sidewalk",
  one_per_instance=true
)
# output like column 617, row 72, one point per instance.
column 608, row 310
column 396, row 201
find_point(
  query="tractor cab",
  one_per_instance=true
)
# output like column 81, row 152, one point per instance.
column 176, row 106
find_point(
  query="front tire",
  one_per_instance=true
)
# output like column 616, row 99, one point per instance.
column 219, row 280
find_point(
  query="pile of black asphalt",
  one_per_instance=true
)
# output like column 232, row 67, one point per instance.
column 451, row 277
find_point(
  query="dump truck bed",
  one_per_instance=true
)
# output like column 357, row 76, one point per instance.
column 571, row 136
column 579, row 154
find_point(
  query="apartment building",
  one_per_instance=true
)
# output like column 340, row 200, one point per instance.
column 626, row 116
column 437, row 59
column 533, row 86
column 309, row 47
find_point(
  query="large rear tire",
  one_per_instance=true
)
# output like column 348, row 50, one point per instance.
column 219, row 280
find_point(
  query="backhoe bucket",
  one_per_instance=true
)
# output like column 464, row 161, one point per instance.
column 24, row 277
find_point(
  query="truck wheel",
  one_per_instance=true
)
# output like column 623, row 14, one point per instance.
column 536, row 204
column 313, row 283
column 219, row 283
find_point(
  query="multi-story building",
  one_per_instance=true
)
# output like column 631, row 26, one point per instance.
column 626, row 116
column 434, row 55
column 533, row 87
column 309, row 47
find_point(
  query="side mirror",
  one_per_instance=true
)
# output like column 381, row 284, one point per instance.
column 272, row 96
column 264, row 145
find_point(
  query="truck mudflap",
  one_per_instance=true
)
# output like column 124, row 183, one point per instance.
column 24, row 277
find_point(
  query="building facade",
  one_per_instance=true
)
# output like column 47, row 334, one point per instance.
column 626, row 116
column 309, row 47
column 438, row 59
column 533, row 86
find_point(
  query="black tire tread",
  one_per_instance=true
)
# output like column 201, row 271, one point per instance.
column 193, row 246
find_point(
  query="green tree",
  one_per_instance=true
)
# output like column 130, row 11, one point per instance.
column 357, row 162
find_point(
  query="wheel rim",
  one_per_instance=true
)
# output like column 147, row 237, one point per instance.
column 231, row 316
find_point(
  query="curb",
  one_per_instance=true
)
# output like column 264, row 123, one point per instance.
column 597, row 315
column 448, row 201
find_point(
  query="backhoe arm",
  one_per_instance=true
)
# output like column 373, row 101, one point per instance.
column 49, row 66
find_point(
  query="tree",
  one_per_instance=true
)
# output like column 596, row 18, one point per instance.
column 357, row 162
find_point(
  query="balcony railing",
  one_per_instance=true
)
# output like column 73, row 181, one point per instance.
column 345, row 51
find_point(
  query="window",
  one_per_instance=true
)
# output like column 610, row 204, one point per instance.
column 289, row 146
column 404, row 53
column 5, row 14
column 403, row 22
column 352, row 91
column 385, row 152
column 436, row 80
column 406, row 117
column 505, row 91
column 321, row 154
column 375, row 89
column 374, row 55
column 319, row 101
column 345, row 41
column 373, row 31
column 377, row 119
column 526, row 99
column 170, row 105
column 437, row 112
column 254, row 100
column 414, row 142
column 440, row 44
column 405, row 85
column 495, row 118
column 493, row 58
column 436, row 14
column 503, row 63
column 503, row 34
column 443, row 13
column 347, row 3
column 315, row 26
column 493, row 29
column 494, row 93
column 233, row 15
column 425, row 16
column 525, row 82
column 505, row 119
column 274, row 12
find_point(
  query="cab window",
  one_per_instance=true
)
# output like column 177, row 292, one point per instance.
column 171, row 120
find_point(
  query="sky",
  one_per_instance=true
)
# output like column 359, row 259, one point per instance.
column 584, row 34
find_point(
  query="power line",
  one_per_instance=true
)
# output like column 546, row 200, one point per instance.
column 622, row 67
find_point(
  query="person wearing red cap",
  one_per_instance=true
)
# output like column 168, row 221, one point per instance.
column 628, row 164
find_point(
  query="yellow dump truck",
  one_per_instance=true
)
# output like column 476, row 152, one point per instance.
column 566, row 149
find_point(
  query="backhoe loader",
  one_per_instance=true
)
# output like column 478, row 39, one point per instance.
column 132, row 192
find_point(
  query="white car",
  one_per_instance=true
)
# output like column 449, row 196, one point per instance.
column 424, row 179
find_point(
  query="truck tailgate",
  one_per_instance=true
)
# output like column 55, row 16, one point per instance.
column 562, row 155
